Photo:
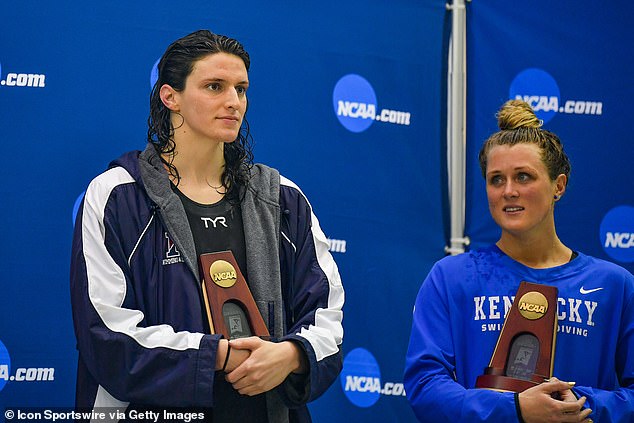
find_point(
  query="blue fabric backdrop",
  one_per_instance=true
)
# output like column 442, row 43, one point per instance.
column 572, row 62
column 346, row 99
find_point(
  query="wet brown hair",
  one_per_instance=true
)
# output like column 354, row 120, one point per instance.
column 175, row 66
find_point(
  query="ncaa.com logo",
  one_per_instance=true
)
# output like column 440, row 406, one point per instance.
column 361, row 379
column 617, row 233
column 539, row 89
column 337, row 245
column 356, row 107
column 14, row 79
column 76, row 206
column 21, row 374
column 154, row 73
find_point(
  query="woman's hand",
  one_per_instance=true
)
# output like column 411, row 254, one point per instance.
column 538, row 405
column 267, row 365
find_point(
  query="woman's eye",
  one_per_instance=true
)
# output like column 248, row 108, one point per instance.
column 523, row 177
column 496, row 180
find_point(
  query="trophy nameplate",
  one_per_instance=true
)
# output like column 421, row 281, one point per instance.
column 231, row 309
column 525, row 351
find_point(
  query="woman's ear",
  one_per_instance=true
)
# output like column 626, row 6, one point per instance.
column 560, row 185
column 169, row 97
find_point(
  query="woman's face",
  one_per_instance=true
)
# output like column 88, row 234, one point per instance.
column 214, row 100
column 519, row 189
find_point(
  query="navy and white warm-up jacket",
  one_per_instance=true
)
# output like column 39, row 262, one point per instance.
column 137, row 299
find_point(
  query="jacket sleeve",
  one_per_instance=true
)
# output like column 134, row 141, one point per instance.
column 618, row 405
column 314, row 298
column 132, row 361
column 429, row 378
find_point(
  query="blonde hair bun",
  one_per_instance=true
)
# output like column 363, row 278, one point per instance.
column 516, row 114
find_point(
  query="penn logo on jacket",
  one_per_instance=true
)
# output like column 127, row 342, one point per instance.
column 172, row 255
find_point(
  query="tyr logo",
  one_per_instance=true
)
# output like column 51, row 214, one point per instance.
column 220, row 220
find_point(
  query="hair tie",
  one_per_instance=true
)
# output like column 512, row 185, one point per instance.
column 224, row 366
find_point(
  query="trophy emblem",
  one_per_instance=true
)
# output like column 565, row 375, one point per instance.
column 524, row 354
column 231, row 309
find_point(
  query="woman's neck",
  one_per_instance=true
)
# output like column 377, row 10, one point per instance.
column 538, row 253
column 200, row 168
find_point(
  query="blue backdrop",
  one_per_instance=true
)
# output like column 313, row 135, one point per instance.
column 348, row 100
column 345, row 99
column 572, row 63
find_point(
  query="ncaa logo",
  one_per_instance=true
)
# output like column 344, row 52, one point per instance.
column 354, row 101
column 77, row 205
column 539, row 89
column 617, row 233
column 361, row 378
column 14, row 79
column 5, row 365
column 154, row 73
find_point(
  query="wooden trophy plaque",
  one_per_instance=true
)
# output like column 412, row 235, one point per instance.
column 231, row 309
column 525, row 351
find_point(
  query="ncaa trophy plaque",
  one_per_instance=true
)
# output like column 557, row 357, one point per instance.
column 524, row 354
column 231, row 309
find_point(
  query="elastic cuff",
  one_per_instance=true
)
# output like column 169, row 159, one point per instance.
column 518, row 409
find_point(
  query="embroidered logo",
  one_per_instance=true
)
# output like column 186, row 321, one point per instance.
column 589, row 291
column 172, row 255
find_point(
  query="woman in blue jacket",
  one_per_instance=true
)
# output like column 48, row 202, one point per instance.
column 461, row 305
column 138, row 309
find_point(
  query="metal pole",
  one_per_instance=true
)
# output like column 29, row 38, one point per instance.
column 456, row 126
